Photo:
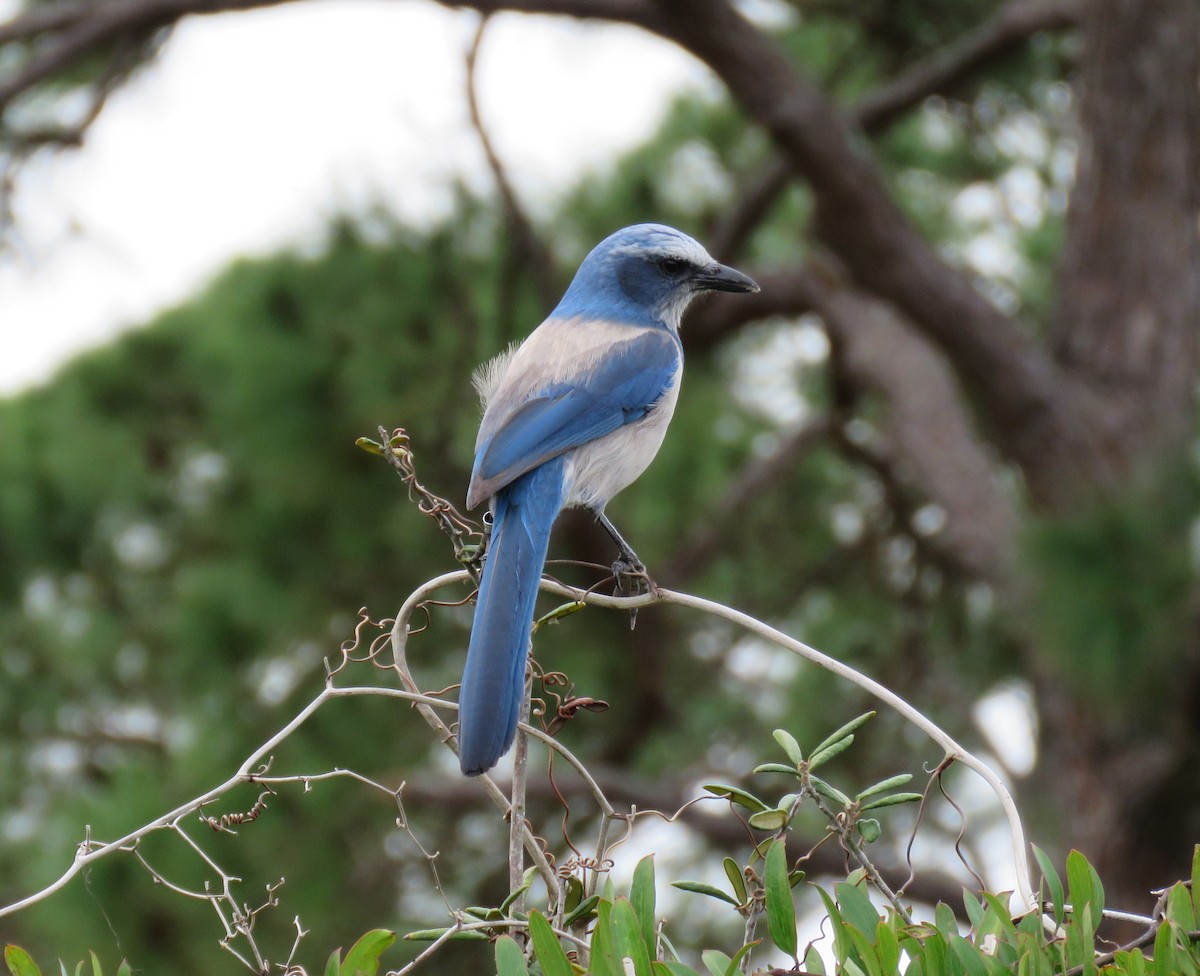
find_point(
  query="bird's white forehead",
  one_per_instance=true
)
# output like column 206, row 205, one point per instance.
column 666, row 245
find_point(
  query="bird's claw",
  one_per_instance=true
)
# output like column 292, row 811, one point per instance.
column 632, row 579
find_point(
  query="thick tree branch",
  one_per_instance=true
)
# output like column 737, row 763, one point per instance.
column 857, row 217
column 940, row 73
column 928, row 426
column 927, row 421
column 79, row 29
column 1130, row 277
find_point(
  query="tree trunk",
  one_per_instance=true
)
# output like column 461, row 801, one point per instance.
column 1126, row 325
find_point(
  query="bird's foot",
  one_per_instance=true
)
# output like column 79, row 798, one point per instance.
column 632, row 579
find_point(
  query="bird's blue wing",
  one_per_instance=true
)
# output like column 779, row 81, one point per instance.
column 619, row 389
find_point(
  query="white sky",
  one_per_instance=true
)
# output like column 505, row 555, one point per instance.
column 252, row 129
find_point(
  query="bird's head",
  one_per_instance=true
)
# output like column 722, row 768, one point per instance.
column 646, row 273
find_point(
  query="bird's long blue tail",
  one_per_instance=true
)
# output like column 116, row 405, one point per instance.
column 493, row 680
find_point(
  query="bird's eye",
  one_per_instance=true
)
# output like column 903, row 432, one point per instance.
column 672, row 266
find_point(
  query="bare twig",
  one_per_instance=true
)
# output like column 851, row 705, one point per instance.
column 240, row 921
column 531, row 252
column 516, row 814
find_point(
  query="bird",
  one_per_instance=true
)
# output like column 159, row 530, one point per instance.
column 571, row 416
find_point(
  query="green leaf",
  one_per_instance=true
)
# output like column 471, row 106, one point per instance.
column 715, row 961
column 789, row 745
column 124, row 969
column 891, row 801
column 1196, row 881
column 774, row 767
column 363, row 957
column 1053, row 883
column 974, row 909
column 629, row 939
column 999, row 918
column 864, row 952
column 665, row 947
column 852, row 726
column 1127, row 963
column 549, row 951
column 574, row 895
column 97, row 969
column 510, row 960
column 833, row 749
column 583, row 910
column 700, row 888
column 884, row 785
column 969, row 955
column 1081, row 933
column 887, row 947
column 943, row 918
column 831, row 792
column 737, row 880
column 1033, row 962
column 841, row 941
column 1084, row 885
column 1164, row 951
column 641, row 896
column 932, row 951
column 526, row 884
column 19, row 962
column 781, row 910
column 856, row 907
column 869, row 830
column 768, row 819
column 1179, row 907
column 604, row 958
column 333, row 967
column 736, row 795
column 431, row 935
column 672, row 968
column 813, row 963
column 737, row 957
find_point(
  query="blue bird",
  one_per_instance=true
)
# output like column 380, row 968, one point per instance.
column 571, row 416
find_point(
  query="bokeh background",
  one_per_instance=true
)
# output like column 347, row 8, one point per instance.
column 951, row 443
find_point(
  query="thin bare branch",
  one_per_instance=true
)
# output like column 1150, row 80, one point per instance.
column 722, row 520
column 531, row 251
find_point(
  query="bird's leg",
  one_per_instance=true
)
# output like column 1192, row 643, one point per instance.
column 629, row 559
column 629, row 571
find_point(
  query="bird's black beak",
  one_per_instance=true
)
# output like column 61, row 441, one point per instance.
column 721, row 277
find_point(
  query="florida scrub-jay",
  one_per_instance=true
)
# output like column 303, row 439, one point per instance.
column 571, row 417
